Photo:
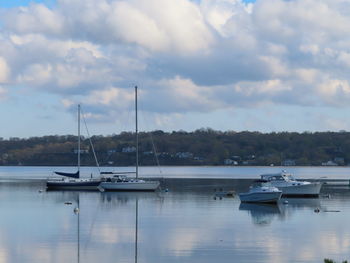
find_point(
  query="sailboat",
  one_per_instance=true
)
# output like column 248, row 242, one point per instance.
column 72, row 181
column 120, row 182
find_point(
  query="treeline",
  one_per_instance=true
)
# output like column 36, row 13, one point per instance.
column 201, row 147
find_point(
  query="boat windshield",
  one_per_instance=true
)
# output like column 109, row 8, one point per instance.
column 277, row 177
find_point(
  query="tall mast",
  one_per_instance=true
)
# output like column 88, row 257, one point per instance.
column 79, row 139
column 137, row 136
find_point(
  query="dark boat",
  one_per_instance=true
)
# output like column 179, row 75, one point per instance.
column 72, row 181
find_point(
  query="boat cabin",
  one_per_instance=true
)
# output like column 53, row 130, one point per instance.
column 277, row 177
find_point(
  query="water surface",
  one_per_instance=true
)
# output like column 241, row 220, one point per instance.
column 185, row 224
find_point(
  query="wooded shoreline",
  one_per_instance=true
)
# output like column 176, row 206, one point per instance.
column 201, row 147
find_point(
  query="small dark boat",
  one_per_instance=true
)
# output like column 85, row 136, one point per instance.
column 67, row 183
column 72, row 181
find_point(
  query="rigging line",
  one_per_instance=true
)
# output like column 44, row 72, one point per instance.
column 155, row 153
column 152, row 141
column 92, row 146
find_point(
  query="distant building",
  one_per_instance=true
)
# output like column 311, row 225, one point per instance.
column 230, row 162
column 129, row 149
column 184, row 155
column 339, row 160
column 236, row 157
column 288, row 162
column 329, row 163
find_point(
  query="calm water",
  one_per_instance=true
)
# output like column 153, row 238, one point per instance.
column 186, row 224
column 228, row 172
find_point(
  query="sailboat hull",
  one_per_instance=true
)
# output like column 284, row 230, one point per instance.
column 137, row 185
column 79, row 184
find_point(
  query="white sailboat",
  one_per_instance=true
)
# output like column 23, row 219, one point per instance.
column 120, row 182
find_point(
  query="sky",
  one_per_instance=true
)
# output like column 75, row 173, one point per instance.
column 265, row 65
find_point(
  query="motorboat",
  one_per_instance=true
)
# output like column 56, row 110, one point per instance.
column 124, row 183
column 261, row 194
column 292, row 187
column 120, row 182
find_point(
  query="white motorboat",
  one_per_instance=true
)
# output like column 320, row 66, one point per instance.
column 291, row 187
column 261, row 194
column 118, row 182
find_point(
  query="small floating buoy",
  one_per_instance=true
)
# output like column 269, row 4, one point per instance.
column 285, row 202
column 76, row 210
column 68, row 203
column 317, row 210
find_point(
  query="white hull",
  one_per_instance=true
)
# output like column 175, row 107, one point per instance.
column 260, row 197
column 130, row 186
column 291, row 187
column 312, row 189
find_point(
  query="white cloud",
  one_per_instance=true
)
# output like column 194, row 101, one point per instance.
column 4, row 71
column 114, row 97
column 188, row 56
column 36, row 18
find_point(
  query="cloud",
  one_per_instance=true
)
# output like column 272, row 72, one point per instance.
column 187, row 56
column 4, row 71
column 156, row 25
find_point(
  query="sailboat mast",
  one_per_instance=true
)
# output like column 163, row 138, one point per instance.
column 79, row 139
column 137, row 136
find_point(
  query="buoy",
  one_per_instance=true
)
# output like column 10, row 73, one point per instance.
column 76, row 210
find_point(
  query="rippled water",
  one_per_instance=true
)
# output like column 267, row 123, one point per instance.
column 189, row 223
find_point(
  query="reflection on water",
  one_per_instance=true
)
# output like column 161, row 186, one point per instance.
column 182, row 225
column 262, row 214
